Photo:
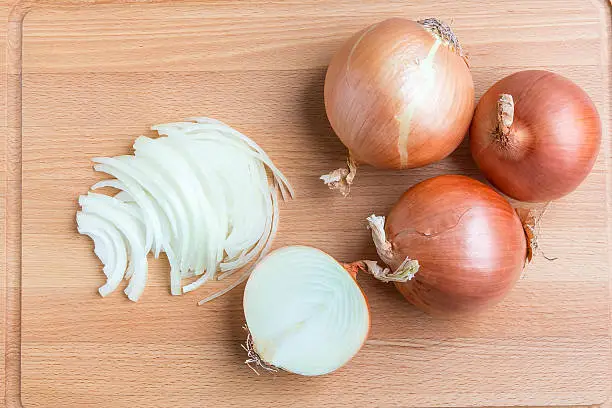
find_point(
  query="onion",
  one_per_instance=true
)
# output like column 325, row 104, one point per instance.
column 305, row 312
column 202, row 195
column 468, row 241
column 108, row 246
column 119, row 218
column 399, row 94
column 535, row 135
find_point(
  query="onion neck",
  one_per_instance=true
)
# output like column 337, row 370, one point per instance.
column 404, row 272
column 442, row 31
column 376, row 224
column 503, row 133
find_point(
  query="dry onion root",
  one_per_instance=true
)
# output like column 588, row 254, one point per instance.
column 399, row 94
column 305, row 312
column 470, row 244
column 201, row 194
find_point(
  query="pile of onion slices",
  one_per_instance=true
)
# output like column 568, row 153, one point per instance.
column 203, row 193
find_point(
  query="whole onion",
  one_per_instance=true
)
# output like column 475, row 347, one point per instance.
column 468, row 241
column 535, row 135
column 399, row 94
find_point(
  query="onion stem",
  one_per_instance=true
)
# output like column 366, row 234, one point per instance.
column 442, row 31
column 403, row 273
column 505, row 115
column 377, row 225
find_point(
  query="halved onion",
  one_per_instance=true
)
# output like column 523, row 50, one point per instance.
column 202, row 195
column 305, row 312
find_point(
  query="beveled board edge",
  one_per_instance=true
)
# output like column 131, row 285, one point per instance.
column 14, row 12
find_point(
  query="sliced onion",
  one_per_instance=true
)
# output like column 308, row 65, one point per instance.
column 138, row 281
column 120, row 217
column 188, row 191
column 103, row 250
column 117, row 213
column 123, row 196
column 150, row 210
column 285, row 188
column 264, row 251
column 201, row 194
column 92, row 225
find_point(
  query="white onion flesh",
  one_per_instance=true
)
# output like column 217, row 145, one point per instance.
column 115, row 253
column 305, row 312
column 200, row 193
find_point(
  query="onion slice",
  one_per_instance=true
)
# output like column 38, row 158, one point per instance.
column 93, row 225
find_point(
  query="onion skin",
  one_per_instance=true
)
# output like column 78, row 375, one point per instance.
column 393, row 106
column 551, row 143
column 467, row 238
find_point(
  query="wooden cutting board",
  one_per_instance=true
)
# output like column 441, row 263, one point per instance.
column 85, row 78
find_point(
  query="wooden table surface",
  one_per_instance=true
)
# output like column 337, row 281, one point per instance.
column 84, row 78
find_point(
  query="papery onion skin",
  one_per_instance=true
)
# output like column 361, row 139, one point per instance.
column 467, row 238
column 551, row 144
column 398, row 96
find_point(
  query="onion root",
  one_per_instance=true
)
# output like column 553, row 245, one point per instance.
column 253, row 359
column 531, row 224
column 341, row 179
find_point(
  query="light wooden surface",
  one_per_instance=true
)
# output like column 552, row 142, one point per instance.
column 95, row 76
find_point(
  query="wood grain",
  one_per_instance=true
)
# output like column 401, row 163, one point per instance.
column 3, row 185
column 86, row 79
